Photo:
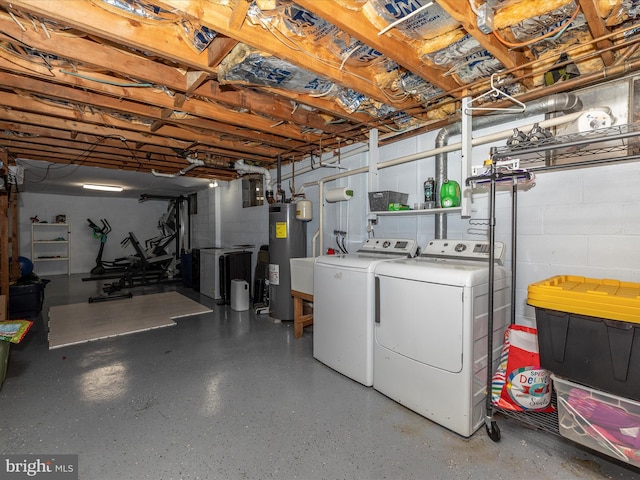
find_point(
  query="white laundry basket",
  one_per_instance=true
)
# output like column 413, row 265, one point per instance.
column 239, row 295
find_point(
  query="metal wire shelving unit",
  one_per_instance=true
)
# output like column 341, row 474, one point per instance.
column 593, row 147
column 578, row 150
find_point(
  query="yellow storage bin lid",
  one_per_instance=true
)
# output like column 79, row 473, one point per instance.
column 604, row 298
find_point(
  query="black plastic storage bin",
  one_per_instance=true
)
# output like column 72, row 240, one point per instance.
column 603, row 354
column 589, row 331
column 25, row 300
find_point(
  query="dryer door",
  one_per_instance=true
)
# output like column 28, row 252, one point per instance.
column 420, row 320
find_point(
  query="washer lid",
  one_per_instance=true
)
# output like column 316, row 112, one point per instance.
column 362, row 261
column 373, row 251
column 442, row 271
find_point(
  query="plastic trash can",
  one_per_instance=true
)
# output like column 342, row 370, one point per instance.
column 239, row 295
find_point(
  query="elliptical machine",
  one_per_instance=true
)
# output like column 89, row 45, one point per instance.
column 102, row 233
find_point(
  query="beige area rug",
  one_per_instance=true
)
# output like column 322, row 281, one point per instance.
column 85, row 322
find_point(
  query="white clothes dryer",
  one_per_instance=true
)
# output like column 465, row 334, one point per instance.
column 343, row 306
column 431, row 313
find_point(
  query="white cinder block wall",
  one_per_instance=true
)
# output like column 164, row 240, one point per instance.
column 203, row 223
column 238, row 225
column 581, row 222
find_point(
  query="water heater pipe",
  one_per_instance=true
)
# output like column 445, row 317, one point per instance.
column 314, row 241
column 242, row 167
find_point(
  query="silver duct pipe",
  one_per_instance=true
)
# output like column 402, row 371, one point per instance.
column 558, row 103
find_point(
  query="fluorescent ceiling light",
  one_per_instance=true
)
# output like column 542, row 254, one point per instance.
column 103, row 188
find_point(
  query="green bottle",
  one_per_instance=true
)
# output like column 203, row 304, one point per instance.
column 449, row 194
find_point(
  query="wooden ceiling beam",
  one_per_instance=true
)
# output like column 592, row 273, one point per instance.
column 99, row 145
column 53, row 157
column 218, row 49
column 90, row 53
column 199, row 135
column 59, row 156
column 144, row 70
column 461, row 12
column 80, row 157
column 30, row 134
column 112, row 128
column 35, row 133
column 402, row 52
column 194, row 80
column 239, row 14
column 282, row 105
column 598, row 29
column 216, row 16
column 154, row 105
column 162, row 39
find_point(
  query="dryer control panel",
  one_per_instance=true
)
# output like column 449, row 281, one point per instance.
column 464, row 250
column 392, row 246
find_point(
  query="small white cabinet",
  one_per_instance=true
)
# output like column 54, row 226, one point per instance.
column 51, row 242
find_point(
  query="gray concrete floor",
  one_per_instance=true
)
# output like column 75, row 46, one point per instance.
column 228, row 395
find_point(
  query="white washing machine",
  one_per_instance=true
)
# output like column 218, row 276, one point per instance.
column 343, row 306
column 431, row 326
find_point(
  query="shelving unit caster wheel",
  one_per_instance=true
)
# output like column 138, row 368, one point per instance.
column 493, row 431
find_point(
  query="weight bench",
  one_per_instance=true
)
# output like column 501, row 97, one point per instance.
column 144, row 266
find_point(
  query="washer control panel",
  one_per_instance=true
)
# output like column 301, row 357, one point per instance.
column 464, row 250
column 393, row 246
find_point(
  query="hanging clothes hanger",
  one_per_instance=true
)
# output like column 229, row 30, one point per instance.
column 496, row 94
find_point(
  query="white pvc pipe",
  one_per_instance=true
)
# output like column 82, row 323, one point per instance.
column 329, row 161
column 494, row 137
column 242, row 167
column 194, row 163
column 314, row 240
column 320, row 215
